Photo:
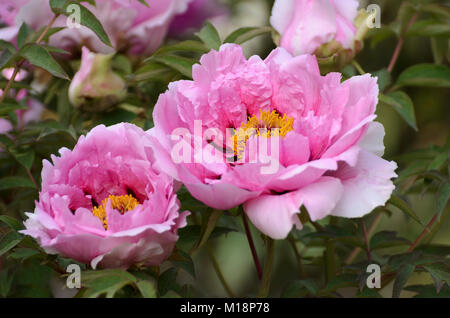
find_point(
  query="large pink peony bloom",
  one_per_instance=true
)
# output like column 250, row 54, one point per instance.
column 328, row 160
column 104, row 204
column 130, row 25
column 304, row 25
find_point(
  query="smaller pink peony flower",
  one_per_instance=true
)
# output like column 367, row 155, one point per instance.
column 104, row 204
column 95, row 83
column 306, row 25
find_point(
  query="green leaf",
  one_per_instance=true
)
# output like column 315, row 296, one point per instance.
column 402, row 277
column 209, row 35
column 23, row 254
column 208, row 227
column 428, row 291
column 300, row 288
column 384, row 78
column 368, row 293
column 185, row 46
column 25, row 158
column 183, row 260
column 40, row 57
column 386, row 239
column 425, row 75
column 146, row 288
column 442, row 198
column 341, row 281
column 404, row 207
column 437, row 9
column 5, row 45
column 57, row 6
column 144, row 2
column 440, row 49
column 7, row 183
column 167, row 282
column 429, row 28
column 440, row 272
column 9, row 240
column 107, row 282
column 90, row 21
column 6, row 278
column 378, row 35
column 6, row 108
column 24, row 32
column 11, row 222
column 178, row 63
column 403, row 104
column 243, row 35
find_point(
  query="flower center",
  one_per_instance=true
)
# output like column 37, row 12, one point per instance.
column 122, row 203
column 269, row 124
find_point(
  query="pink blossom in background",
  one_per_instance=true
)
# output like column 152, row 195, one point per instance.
column 329, row 160
column 195, row 16
column 130, row 25
column 304, row 25
column 24, row 116
column 105, row 204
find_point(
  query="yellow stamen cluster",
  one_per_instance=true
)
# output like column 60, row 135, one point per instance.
column 123, row 204
column 269, row 124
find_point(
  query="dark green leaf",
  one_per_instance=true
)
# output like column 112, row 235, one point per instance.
column 15, row 182
column 90, row 21
column 404, row 207
column 9, row 240
column 178, row 63
column 208, row 227
column 384, row 78
column 209, row 35
column 24, row 32
column 402, row 277
column 429, row 28
column 442, row 198
column 428, row 291
column 243, row 35
column 25, row 158
column 167, row 281
column 39, row 56
column 11, row 222
column 386, row 239
column 440, row 273
column 426, row 75
column 300, row 288
column 403, row 104
column 185, row 46
column 107, row 282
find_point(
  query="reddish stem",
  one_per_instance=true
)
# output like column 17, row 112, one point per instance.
column 252, row 246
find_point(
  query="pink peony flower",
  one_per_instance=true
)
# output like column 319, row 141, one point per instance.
column 130, row 25
column 104, row 204
column 305, row 25
column 329, row 147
